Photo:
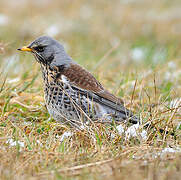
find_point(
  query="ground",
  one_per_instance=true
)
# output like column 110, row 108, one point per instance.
column 133, row 48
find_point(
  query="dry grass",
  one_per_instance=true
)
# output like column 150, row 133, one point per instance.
column 130, row 46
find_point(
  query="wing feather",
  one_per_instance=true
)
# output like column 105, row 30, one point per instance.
column 83, row 81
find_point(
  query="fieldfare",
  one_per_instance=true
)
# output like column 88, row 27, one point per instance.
column 72, row 94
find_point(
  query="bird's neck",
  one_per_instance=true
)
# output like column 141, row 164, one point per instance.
column 47, row 75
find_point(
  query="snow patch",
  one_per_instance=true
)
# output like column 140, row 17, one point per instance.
column 172, row 65
column 170, row 150
column 132, row 131
column 138, row 54
column 14, row 80
column 120, row 129
column 172, row 76
column 65, row 135
column 175, row 103
column 12, row 143
column 3, row 20
column 38, row 142
column 52, row 30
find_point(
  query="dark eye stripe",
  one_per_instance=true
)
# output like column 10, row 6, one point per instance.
column 39, row 48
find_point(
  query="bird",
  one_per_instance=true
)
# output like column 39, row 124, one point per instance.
column 73, row 96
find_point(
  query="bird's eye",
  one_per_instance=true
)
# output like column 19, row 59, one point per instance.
column 39, row 48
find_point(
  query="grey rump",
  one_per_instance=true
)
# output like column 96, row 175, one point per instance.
column 72, row 95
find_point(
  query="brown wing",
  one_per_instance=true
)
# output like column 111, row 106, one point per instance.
column 83, row 79
column 86, row 83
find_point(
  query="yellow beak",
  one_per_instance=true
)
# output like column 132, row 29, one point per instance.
column 25, row 48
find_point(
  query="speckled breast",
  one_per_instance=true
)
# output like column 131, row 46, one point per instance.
column 65, row 104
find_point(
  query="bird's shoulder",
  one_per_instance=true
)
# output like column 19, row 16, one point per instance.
column 84, row 80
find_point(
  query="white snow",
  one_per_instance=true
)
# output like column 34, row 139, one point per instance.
column 143, row 134
column 3, row 20
column 169, row 150
column 175, row 103
column 52, row 30
column 172, row 65
column 65, row 135
column 120, row 129
column 14, row 80
column 38, row 142
column 138, row 54
column 178, row 125
column 132, row 131
column 172, row 76
column 12, row 142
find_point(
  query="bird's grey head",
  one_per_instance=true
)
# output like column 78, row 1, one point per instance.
column 48, row 51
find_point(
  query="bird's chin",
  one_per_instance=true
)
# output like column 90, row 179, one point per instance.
column 36, row 58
